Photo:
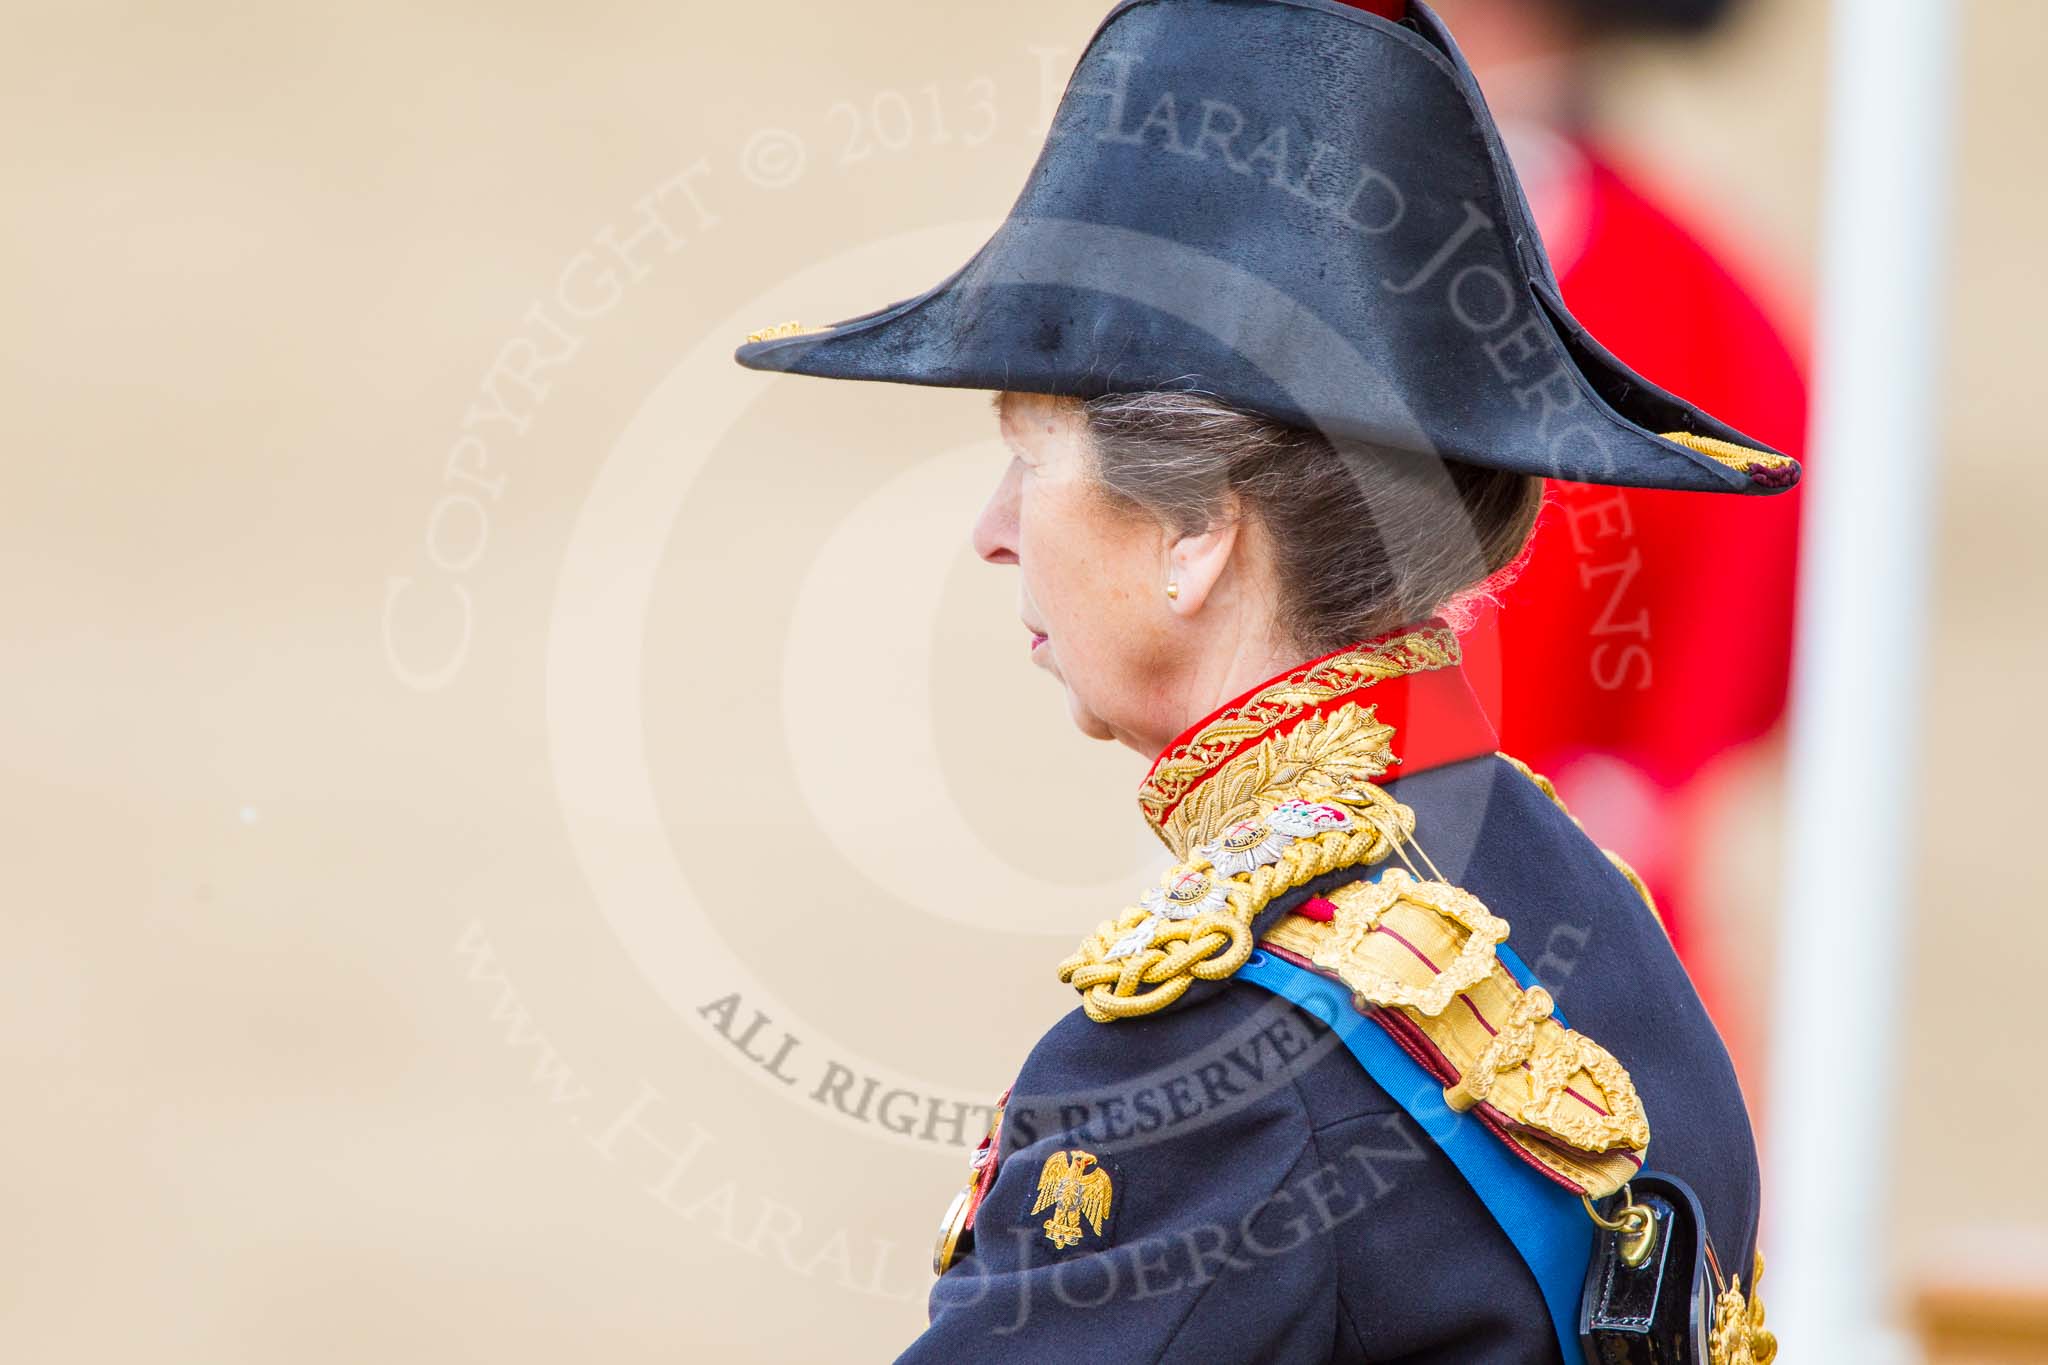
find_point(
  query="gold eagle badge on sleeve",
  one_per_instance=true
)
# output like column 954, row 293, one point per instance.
column 1074, row 1186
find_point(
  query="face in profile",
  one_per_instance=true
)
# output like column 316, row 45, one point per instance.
column 1092, row 573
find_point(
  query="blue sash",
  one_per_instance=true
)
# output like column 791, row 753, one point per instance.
column 1543, row 1219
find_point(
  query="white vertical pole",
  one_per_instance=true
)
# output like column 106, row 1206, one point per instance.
column 1850, row 839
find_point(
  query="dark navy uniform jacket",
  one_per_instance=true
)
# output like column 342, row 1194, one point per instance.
column 1269, row 1201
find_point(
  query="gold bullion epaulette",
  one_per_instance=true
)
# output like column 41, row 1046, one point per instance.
column 1421, row 956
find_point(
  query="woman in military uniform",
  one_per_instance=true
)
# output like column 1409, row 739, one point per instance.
column 1373, row 1071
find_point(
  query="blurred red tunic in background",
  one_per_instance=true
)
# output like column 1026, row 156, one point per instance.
column 1652, row 632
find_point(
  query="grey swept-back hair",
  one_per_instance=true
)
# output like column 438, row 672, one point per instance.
column 1365, row 539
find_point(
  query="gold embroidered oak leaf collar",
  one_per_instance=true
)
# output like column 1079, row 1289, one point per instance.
column 1326, row 726
column 1267, row 793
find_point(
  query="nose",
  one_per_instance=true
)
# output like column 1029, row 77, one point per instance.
column 995, row 530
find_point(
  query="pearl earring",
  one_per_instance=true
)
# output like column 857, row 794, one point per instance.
column 1173, row 590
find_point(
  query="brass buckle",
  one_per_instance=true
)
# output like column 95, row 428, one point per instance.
column 1635, row 1228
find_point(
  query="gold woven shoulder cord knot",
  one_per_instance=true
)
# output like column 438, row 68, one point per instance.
column 1149, row 955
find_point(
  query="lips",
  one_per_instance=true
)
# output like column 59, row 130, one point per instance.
column 1038, row 637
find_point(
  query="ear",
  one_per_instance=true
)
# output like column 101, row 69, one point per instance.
column 1195, row 564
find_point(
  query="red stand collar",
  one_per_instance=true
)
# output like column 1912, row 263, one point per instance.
column 1411, row 679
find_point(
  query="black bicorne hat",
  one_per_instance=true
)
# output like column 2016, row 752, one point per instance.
column 1304, row 210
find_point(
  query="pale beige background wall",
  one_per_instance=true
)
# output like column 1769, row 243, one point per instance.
column 330, row 971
